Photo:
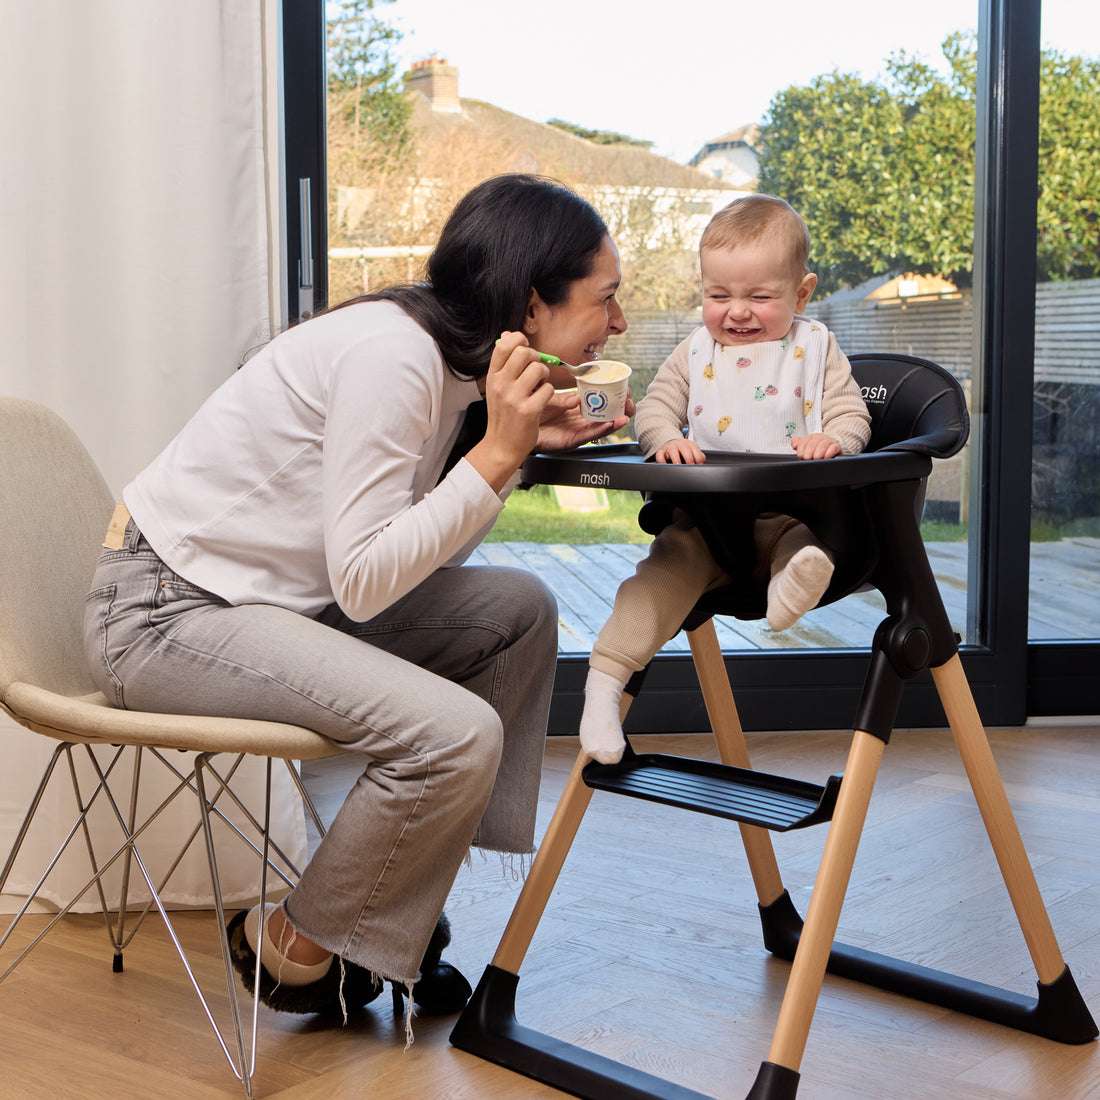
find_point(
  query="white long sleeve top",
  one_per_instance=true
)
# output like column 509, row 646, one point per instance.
column 310, row 476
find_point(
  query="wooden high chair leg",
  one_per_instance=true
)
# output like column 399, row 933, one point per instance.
column 823, row 914
column 989, row 792
column 544, row 872
column 547, row 864
column 725, row 723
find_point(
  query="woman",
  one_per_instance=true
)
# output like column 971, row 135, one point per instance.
column 288, row 556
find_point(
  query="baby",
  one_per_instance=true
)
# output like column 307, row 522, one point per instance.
column 757, row 376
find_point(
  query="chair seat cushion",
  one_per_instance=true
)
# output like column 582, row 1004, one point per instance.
column 91, row 718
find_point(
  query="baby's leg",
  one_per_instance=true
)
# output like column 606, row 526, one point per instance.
column 650, row 607
column 800, row 572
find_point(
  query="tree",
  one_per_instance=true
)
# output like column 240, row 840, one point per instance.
column 657, row 235
column 883, row 172
column 599, row 137
column 827, row 149
column 1069, row 168
column 363, row 87
column 369, row 134
column 934, row 162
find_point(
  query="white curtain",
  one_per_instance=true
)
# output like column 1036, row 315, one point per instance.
column 138, row 226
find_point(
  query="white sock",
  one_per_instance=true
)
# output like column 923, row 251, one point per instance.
column 798, row 586
column 601, row 731
column 285, row 971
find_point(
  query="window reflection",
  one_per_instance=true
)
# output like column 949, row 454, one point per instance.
column 872, row 143
column 1065, row 480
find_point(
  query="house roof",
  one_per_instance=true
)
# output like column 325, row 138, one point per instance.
column 864, row 290
column 527, row 146
column 743, row 135
column 894, row 286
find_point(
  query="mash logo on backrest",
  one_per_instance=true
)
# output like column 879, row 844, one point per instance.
column 875, row 395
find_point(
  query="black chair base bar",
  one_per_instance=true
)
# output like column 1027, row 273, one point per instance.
column 488, row 1028
column 1059, row 1012
column 720, row 790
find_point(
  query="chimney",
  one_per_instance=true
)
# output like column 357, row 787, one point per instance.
column 436, row 81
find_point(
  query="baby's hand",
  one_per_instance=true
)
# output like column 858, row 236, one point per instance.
column 817, row 445
column 684, row 451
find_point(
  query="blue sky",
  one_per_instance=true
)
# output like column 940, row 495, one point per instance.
column 683, row 73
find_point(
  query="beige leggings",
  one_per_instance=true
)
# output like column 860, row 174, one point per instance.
column 651, row 606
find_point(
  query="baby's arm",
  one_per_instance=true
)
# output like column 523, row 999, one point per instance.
column 844, row 416
column 662, row 413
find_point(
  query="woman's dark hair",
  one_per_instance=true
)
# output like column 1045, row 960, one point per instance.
column 505, row 236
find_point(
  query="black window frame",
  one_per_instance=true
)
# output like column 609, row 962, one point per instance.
column 303, row 114
column 1012, row 678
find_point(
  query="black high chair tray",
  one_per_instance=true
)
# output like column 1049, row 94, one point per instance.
column 725, row 493
column 624, row 466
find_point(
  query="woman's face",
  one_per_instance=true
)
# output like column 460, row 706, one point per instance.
column 577, row 329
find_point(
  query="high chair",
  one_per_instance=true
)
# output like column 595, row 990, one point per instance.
column 866, row 508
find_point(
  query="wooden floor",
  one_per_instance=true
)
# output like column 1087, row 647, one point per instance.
column 1064, row 595
column 649, row 952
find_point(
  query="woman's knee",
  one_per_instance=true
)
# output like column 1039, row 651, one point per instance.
column 473, row 745
column 533, row 606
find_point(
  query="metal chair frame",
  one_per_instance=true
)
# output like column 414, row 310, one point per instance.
column 208, row 783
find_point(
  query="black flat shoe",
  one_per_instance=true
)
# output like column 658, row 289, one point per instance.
column 441, row 990
column 322, row 996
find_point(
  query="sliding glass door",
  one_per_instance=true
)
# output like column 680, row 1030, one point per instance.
column 912, row 149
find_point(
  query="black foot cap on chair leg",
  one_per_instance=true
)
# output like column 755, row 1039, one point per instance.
column 774, row 1083
column 116, row 963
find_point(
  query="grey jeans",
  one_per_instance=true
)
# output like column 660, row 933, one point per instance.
column 444, row 695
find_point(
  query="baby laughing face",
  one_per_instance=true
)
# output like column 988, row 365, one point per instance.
column 751, row 293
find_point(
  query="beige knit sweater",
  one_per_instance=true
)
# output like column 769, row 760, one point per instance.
column 663, row 412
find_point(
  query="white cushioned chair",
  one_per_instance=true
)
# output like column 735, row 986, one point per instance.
column 54, row 511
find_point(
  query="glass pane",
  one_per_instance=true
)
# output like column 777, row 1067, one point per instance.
column 864, row 123
column 1065, row 477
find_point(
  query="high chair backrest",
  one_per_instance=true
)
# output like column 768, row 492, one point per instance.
column 54, row 511
column 915, row 405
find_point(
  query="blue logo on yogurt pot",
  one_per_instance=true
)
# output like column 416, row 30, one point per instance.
column 595, row 401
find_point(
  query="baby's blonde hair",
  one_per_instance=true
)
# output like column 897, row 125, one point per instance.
column 753, row 218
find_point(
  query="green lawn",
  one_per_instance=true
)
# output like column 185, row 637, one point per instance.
column 536, row 516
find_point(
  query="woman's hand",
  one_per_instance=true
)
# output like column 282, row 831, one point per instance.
column 562, row 426
column 517, row 391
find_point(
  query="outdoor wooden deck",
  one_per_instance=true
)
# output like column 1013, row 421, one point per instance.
column 1064, row 604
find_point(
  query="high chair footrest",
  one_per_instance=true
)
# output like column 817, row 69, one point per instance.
column 739, row 794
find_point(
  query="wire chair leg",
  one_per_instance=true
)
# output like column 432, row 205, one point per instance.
column 245, row 1066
